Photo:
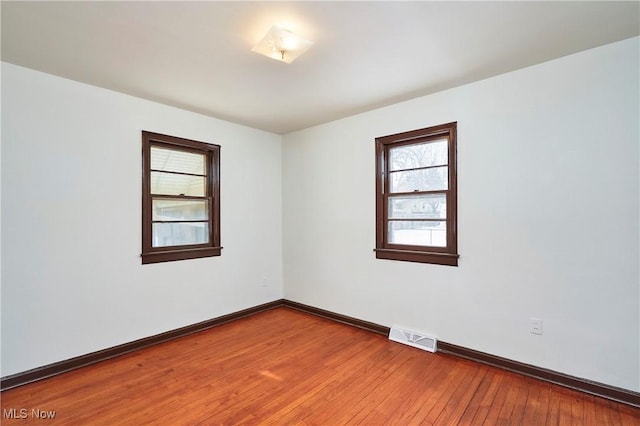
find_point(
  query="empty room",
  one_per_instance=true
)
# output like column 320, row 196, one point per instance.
column 323, row 213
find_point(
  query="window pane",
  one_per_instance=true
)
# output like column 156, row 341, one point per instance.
column 173, row 184
column 418, row 233
column 418, row 207
column 419, row 180
column 171, row 160
column 180, row 210
column 418, row 155
column 178, row 234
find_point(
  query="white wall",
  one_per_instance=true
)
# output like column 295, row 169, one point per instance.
column 548, row 218
column 72, row 279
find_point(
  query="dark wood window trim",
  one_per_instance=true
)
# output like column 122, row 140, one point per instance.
column 447, row 255
column 211, row 152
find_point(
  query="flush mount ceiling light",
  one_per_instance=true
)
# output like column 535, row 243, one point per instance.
column 282, row 45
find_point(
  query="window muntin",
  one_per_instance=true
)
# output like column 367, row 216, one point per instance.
column 181, row 201
column 416, row 196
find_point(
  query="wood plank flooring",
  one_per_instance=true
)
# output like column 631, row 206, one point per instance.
column 287, row 367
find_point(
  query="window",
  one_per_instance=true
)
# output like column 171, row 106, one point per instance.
column 416, row 196
column 180, row 198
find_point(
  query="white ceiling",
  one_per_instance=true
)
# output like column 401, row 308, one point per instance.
column 197, row 55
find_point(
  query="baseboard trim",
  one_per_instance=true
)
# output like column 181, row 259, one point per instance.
column 39, row 373
column 594, row 388
column 583, row 385
column 344, row 319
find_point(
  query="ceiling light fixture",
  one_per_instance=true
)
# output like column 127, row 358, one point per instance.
column 282, row 45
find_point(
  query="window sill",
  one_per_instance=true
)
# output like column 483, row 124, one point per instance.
column 418, row 256
column 180, row 254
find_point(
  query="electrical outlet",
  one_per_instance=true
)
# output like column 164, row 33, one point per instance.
column 264, row 282
column 535, row 325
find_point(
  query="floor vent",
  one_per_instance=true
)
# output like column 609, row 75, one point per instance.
column 417, row 340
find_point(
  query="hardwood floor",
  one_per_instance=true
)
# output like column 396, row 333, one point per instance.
column 287, row 367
